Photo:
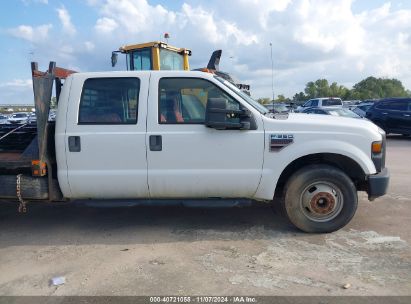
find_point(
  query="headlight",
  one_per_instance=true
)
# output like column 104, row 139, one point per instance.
column 378, row 152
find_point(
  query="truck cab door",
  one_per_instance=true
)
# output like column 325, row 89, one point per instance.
column 105, row 136
column 186, row 159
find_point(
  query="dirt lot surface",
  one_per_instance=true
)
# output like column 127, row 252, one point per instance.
column 183, row 251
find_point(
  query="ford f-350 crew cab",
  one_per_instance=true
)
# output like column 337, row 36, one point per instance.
column 192, row 135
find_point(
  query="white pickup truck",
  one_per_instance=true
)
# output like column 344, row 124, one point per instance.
column 192, row 135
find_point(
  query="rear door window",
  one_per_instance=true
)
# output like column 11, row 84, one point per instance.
column 109, row 101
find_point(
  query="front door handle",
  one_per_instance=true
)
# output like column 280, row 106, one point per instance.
column 74, row 143
column 156, row 143
column 407, row 115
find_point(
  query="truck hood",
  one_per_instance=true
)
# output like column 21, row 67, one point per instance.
column 303, row 123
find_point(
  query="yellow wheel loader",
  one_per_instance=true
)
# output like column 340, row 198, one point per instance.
column 154, row 55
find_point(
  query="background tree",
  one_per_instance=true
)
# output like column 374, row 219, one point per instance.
column 282, row 98
column 310, row 90
column 264, row 100
column 322, row 88
column 300, row 98
column 372, row 88
column 339, row 91
column 369, row 88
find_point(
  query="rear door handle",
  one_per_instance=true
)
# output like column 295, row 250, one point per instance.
column 74, row 143
column 407, row 115
column 156, row 143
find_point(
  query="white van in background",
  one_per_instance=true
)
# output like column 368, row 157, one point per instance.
column 321, row 102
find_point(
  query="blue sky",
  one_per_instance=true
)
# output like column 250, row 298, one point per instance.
column 341, row 40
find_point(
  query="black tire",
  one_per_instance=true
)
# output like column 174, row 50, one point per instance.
column 320, row 199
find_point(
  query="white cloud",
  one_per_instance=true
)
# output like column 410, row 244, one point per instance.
column 89, row 46
column 65, row 20
column 135, row 16
column 311, row 39
column 215, row 31
column 105, row 25
column 32, row 34
column 390, row 67
column 267, row 7
column 17, row 83
column 328, row 26
column 27, row 2
column 138, row 17
column 16, row 91
column 94, row 2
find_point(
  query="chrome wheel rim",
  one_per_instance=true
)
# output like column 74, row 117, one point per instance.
column 321, row 201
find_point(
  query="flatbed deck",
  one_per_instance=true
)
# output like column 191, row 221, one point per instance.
column 18, row 160
column 14, row 160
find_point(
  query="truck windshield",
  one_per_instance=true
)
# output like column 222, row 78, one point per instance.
column 244, row 96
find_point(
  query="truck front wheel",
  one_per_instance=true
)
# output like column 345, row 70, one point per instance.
column 320, row 198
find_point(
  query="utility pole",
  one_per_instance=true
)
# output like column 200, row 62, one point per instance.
column 272, row 71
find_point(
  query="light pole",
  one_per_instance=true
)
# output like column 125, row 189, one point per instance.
column 272, row 71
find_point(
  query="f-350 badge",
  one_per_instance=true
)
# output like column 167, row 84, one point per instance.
column 280, row 141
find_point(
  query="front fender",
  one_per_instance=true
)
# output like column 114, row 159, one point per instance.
column 276, row 162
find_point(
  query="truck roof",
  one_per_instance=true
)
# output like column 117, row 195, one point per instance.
column 144, row 73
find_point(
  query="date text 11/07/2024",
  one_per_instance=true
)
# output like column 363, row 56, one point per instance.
column 203, row 299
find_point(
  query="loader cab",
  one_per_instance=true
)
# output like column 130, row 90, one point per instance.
column 153, row 56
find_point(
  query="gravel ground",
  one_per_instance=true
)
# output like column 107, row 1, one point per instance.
column 234, row 251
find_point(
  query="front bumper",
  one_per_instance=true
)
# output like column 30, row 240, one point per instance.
column 378, row 184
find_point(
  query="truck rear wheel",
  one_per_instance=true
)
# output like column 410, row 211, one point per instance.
column 320, row 198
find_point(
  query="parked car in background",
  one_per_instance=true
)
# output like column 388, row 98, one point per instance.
column 350, row 103
column 32, row 118
column 321, row 102
column 3, row 119
column 342, row 112
column 52, row 115
column 371, row 101
column 392, row 114
column 362, row 109
column 18, row 118
column 277, row 108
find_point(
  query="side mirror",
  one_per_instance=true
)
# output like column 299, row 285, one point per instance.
column 218, row 116
column 114, row 57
